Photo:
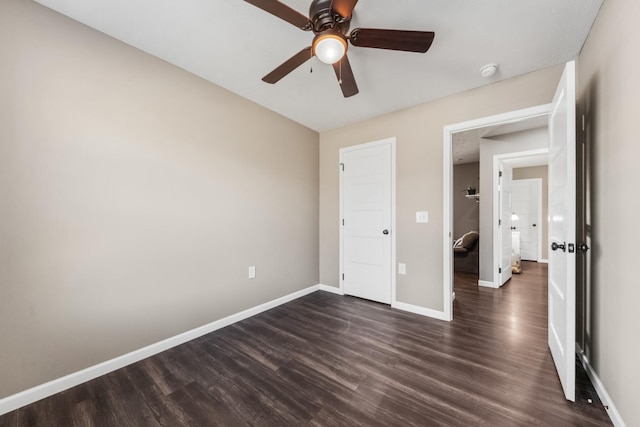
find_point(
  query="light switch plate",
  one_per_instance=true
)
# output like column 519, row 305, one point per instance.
column 402, row 268
column 252, row 272
column 422, row 217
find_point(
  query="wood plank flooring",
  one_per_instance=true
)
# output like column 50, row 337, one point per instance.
column 327, row 360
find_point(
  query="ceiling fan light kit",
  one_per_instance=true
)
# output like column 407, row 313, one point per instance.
column 329, row 46
column 330, row 20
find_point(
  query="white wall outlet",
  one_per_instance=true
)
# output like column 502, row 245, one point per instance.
column 422, row 217
column 252, row 272
column 402, row 268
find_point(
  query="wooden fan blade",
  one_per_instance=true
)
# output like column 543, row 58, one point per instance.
column 408, row 41
column 344, row 8
column 345, row 77
column 289, row 65
column 284, row 12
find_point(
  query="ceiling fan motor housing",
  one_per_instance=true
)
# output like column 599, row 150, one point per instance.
column 324, row 18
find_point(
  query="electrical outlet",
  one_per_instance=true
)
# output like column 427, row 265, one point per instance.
column 252, row 272
column 402, row 268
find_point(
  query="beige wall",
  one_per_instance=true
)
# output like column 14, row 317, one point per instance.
column 133, row 198
column 419, row 157
column 609, row 96
column 466, row 216
column 540, row 172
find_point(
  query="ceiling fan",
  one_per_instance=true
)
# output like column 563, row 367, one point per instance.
column 330, row 20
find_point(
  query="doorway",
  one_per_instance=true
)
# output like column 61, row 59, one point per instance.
column 367, row 216
column 491, row 128
column 505, row 238
column 526, row 222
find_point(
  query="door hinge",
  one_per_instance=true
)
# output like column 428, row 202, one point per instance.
column 343, row 277
column 499, row 223
column 499, row 270
column 342, row 221
column 342, row 166
column 500, row 174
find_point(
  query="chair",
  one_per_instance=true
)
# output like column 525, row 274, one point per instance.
column 466, row 256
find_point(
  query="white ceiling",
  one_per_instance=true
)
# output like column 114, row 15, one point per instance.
column 234, row 44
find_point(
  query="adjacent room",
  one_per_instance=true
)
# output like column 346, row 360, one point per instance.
column 297, row 212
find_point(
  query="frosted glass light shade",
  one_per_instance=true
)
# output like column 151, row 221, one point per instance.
column 329, row 47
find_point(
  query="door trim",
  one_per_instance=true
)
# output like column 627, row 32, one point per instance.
column 447, row 236
column 392, row 143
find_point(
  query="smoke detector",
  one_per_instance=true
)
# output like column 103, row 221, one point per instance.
column 488, row 70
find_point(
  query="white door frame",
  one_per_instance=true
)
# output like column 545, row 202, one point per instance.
column 447, row 238
column 392, row 143
column 538, row 183
column 497, row 281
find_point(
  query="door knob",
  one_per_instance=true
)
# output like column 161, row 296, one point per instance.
column 385, row 231
column 555, row 246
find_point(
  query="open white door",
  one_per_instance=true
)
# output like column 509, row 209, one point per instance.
column 526, row 204
column 504, row 196
column 367, row 211
column 562, row 230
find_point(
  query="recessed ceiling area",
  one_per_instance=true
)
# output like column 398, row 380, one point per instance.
column 234, row 44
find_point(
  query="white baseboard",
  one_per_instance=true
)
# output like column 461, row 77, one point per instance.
column 331, row 289
column 486, row 284
column 26, row 397
column 543, row 261
column 419, row 310
column 615, row 416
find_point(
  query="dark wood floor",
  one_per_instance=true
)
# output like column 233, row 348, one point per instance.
column 327, row 360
